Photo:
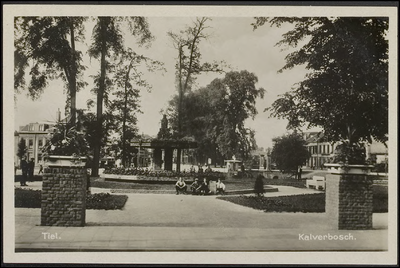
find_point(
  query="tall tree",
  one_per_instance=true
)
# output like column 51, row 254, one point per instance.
column 240, row 100
column 129, row 80
column 346, row 89
column 22, row 149
column 189, row 65
column 47, row 45
column 108, row 43
column 215, row 115
column 289, row 152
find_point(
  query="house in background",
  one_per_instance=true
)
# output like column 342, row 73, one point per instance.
column 377, row 150
column 35, row 135
column 322, row 151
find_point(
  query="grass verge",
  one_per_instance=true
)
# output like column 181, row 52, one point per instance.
column 302, row 203
column 28, row 198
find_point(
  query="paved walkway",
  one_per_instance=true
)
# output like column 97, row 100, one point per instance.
column 150, row 222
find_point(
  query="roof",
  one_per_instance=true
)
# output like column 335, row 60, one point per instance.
column 171, row 143
column 233, row 161
column 316, row 137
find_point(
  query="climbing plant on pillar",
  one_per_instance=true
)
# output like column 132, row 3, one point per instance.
column 65, row 146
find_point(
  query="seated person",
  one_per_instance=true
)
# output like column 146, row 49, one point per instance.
column 195, row 186
column 220, row 187
column 180, row 186
column 204, row 187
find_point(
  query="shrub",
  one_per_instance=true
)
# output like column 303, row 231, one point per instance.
column 380, row 167
column 259, row 185
column 28, row 198
column 105, row 201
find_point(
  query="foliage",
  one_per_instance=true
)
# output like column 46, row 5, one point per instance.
column 259, row 186
column 380, row 167
column 47, row 46
column 108, row 45
column 129, row 81
column 66, row 140
column 188, row 66
column 346, row 89
column 214, row 115
column 289, row 152
column 22, row 149
column 347, row 153
column 28, row 198
column 105, row 201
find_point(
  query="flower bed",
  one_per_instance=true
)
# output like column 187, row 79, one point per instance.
column 160, row 175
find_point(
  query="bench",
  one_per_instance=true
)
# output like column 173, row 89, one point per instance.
column 317, row 182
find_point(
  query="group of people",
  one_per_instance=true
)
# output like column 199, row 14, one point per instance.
column 27, row 169
column 197, row 188
column 200, row 169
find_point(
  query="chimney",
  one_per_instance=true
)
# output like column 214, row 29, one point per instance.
column 58, row 115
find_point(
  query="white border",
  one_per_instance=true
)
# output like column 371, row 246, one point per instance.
column 9, row 11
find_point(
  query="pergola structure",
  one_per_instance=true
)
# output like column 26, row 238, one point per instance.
column 166, row 146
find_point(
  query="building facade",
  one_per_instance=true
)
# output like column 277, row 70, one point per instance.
column 35, row 136
column 322, row 151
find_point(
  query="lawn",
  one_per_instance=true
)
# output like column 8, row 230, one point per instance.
column 302, row 203
column 28, row 198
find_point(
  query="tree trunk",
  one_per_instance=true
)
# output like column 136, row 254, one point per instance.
column 178, row 160
column 100, row 95
column 124, row 145
column 180, row 89
column 72, row 85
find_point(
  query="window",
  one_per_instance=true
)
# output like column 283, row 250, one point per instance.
column 40, row 143
column 30, row 143
column 41, row 127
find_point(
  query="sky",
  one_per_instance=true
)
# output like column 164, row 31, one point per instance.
column 232, row 40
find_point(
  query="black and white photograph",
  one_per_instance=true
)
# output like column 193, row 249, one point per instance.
column 200, row 134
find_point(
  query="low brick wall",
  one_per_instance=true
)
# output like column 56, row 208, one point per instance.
column 349, row 201
column 64, row 196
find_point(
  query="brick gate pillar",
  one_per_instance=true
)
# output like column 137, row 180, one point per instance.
column 64, row 196
column 349, row 197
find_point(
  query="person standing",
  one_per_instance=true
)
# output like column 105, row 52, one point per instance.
column 40, row 169
column 31, row 167
column 24, row 169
